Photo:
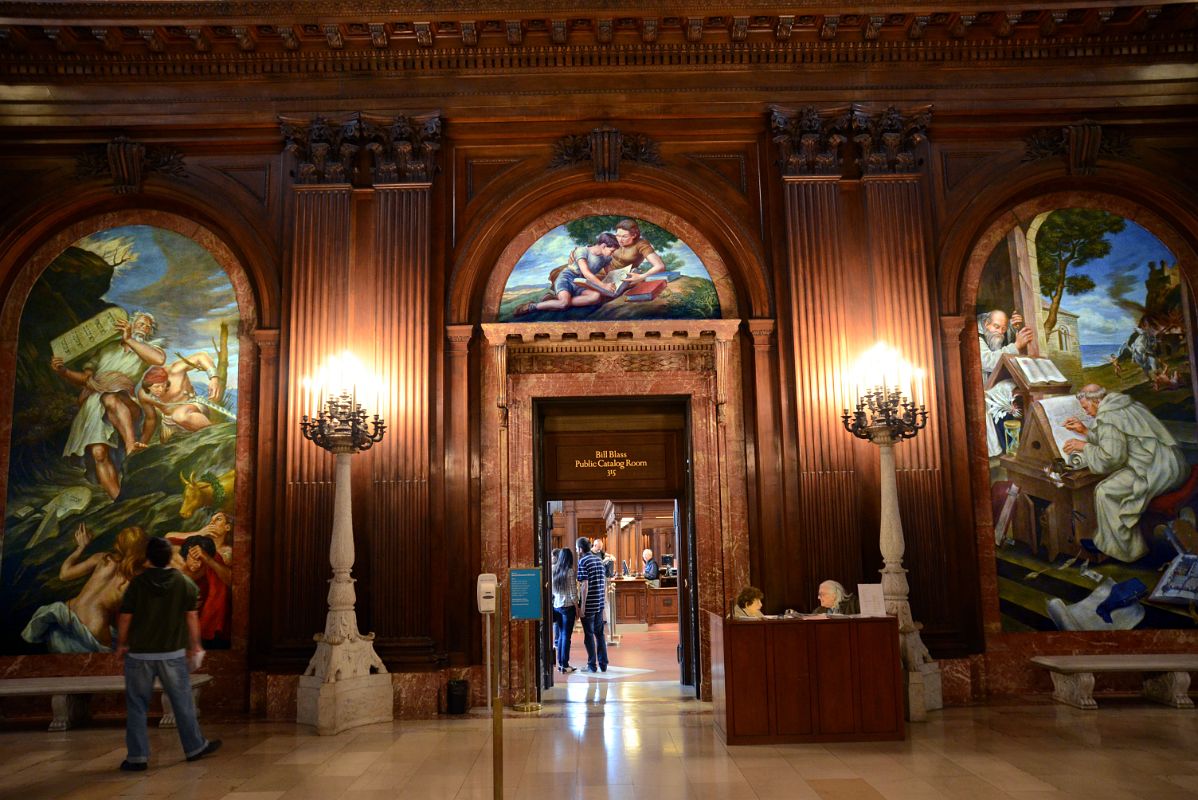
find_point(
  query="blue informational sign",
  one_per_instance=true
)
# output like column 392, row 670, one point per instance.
column 526, row 593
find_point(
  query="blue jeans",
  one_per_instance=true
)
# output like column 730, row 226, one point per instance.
column 592, row 637
column 139, row 688
column 563, row 619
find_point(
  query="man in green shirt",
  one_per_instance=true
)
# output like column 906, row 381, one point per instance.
column 158, row 634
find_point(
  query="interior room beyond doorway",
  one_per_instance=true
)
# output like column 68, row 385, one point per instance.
column 638, row 540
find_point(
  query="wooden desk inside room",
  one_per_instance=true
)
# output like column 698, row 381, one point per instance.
column 834, row 679
column 636, row 602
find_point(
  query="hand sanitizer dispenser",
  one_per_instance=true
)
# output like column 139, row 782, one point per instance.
column 485, row 589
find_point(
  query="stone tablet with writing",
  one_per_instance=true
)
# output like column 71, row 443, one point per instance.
column 87, row 337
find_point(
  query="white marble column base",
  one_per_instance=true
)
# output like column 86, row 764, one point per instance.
column 340, row 705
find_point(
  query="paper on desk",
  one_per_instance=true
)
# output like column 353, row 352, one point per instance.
column 873, row 602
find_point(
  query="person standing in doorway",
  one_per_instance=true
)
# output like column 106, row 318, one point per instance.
column 565, row 605
column 592, row 584
column 159, row 636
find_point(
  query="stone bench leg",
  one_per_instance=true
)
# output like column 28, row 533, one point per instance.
column 168, row 712
column 1170, row 688
column 69, row 710
column 1076, row 690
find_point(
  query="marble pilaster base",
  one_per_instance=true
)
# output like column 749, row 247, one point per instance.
column 344, row 704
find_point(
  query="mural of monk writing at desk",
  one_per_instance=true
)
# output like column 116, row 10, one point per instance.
column 1090, row 426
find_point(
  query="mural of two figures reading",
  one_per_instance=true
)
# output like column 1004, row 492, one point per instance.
column 608, row 268
column 1085, row 332
column 124, row 427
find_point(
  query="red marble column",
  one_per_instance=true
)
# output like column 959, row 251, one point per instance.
column 767, row 467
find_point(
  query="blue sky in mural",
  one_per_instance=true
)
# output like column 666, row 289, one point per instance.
column 175, row 279
column 552, row 249
column 1100, row 320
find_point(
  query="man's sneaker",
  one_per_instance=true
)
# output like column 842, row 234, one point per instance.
column 129, row 766
column 603, row 668
column 588, row 670
column 210, row 748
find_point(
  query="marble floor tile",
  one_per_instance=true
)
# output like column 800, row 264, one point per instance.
column 633, row 741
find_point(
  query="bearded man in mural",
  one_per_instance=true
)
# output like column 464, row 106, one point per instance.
column 1140, row 458
column 999, row 334
column 107, row 409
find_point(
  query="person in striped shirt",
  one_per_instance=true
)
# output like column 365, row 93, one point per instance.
column 592, row 585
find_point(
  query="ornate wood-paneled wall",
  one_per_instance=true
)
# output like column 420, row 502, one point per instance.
column 839, row 225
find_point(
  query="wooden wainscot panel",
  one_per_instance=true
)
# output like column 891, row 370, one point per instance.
column 747, row 683
column 792, row 681
column 879, row 677
column 630, row 601
column 612, row 464
column 663, row 605
column 832, row 663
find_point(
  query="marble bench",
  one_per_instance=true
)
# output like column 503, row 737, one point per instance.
column 1166, row 677
column 70, row 696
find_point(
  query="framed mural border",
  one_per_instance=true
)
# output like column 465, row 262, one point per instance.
column 227, row 666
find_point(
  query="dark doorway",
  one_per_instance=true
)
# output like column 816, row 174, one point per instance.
column 620, row 454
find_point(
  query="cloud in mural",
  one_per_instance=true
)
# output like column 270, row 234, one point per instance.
column 608, row 268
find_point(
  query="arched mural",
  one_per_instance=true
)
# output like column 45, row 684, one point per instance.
column 608, row 268
column 1085, row 335
column 124, row 427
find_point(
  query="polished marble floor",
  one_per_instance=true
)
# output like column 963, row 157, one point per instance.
column 611, row 739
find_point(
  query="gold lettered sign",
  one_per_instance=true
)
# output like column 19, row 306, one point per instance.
column 613, row 465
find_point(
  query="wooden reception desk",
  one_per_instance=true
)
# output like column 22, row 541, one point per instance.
column 832, row 679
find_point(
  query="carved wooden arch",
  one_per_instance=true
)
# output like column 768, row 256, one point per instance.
column 725, row 289
column 1168, row 211
column 220, row 208
column 971, row 273
column 719, row 239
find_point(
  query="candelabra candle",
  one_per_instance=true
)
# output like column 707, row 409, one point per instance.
column 884, row 409
column 342, row 426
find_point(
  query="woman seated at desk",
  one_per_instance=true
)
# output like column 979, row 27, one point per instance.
column 833, row 599
column 748, row 604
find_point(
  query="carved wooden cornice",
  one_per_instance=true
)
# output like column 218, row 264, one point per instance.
column 402, row 148
column 79, row 41
column 1081, row 144
column 605, row 147
column 887, row 141
column 127, row 162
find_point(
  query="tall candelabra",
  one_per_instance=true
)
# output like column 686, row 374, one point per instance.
column 884, row 417
column 346, row 684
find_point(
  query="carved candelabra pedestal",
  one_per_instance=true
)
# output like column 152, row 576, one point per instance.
column 885, row 419
column 346, row 683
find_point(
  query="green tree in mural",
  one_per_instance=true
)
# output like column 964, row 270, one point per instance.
column 1071, row 238
column 584, row 231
